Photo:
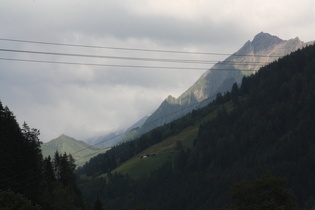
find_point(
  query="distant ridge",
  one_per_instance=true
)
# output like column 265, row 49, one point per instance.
column 80, row 151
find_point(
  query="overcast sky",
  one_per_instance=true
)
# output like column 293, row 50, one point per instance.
column 83, row 101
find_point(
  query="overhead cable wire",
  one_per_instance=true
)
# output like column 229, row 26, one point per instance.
column 132, row 49
column 120, row 57
column 121, row 65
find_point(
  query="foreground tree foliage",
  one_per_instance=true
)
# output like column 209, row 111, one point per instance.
column 264, row 126
column 21, row 157
column 28, row 181
column 59, row 183
column 267, row 192
column 10, row 200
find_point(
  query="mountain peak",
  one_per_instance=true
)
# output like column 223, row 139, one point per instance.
column 63, row 136
column 262, row 37
column 263, row 41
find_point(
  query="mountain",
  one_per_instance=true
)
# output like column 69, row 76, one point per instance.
column 80, row 151
column 264, row 49
column 265, row 126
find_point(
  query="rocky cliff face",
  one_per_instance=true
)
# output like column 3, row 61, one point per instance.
column 264, row 49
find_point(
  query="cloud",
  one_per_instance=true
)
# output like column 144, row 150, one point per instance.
column 81, row 100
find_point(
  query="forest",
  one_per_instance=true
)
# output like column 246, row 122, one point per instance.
column 258, row 152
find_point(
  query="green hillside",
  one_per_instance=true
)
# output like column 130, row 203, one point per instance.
column 81, row 151
column 166, row 150
column 162, row 142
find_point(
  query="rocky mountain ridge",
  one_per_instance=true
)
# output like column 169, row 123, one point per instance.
column 263, row 49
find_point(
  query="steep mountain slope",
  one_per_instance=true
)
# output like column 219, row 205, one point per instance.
column 81, row 151
column 107, row 140
column 267, row 126
column 264, row 49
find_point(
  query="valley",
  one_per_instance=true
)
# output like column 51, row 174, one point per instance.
column 234, row 140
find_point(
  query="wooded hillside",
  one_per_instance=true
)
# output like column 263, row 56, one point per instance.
column 269, row 131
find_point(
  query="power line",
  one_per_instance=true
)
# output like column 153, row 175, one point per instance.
column 120, row 65
column 121, row 57
column 117, row 57
column 124, row 58
column 130, row 49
